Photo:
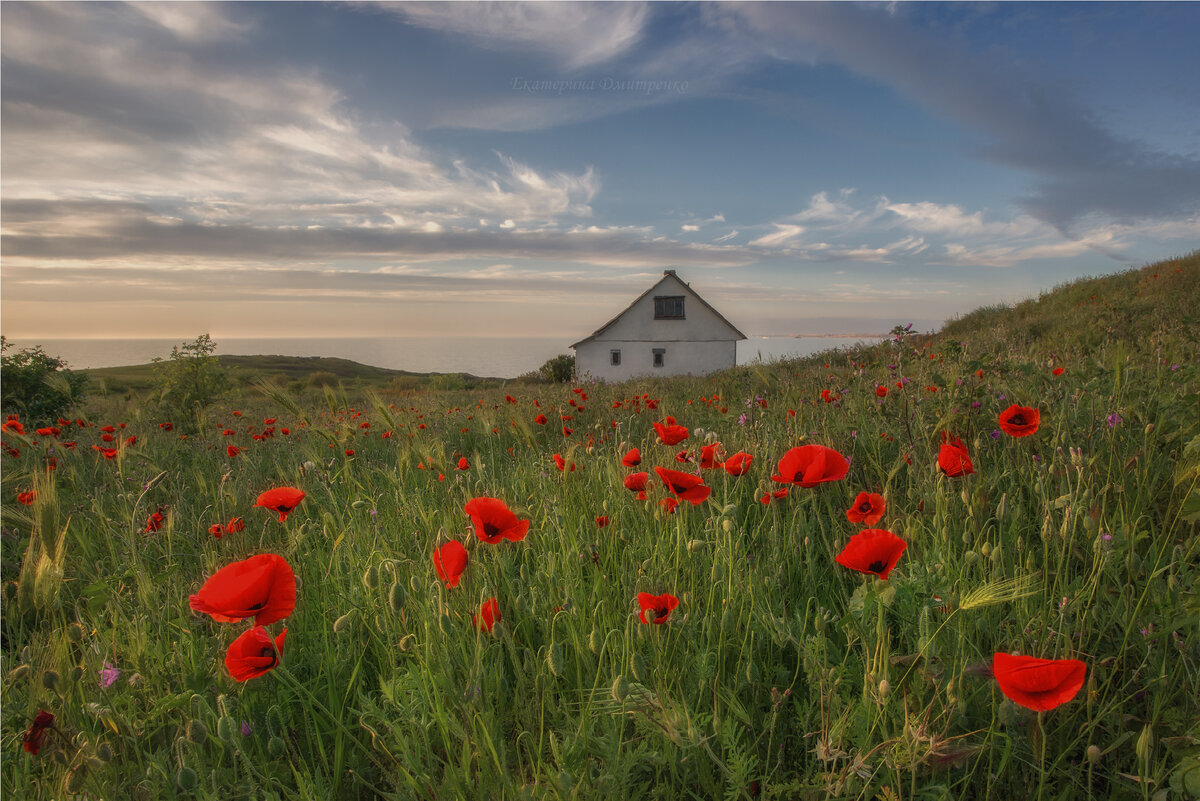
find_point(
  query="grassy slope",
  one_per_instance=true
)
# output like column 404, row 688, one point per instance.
column 780, row 669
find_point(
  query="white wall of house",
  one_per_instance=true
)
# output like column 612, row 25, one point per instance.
column 698, row 343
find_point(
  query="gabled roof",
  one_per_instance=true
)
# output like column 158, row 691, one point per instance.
column 667, row 275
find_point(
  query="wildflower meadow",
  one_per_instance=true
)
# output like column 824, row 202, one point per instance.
column 958, row 565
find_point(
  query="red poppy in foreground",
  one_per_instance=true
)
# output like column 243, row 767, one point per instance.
column 738, row 464
column 810, row 465
column 450, row 561
column 262, row 587
column 36, row 734
column 659, row 606
column 953, row 459
column 636, row 482
column 494, row 521
column 684, row 485
column 873, row 551
column 253, row 654
column 283, row 500
column 710, row 456
column 868, row 508
column 670, row 432
column 1020, row 421
column 632, row 459
column 489, row 613
column 1038, row 684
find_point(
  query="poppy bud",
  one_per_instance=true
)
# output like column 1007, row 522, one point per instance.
column 997, row 555
column 396, row 597
column 50, row 679
column 970, row 557
column 986, row 549
column 595, row 643
column 371, row 577
column 76, row 673
column 695, row 545
column 104, row 752
column 197, row 732
column 408, row 642
column 752, row 672
column 75, row 633
column 638, row 666
column 885, row 689
column 75, row 779
column 276, row 747
column 1093, row 754
column 1002, row 507
column 620, row 689
column 187, row 779
column 18, row 673
column 554, row 660
column 343, row 623
column 727, row 526
column 226, row 728
column 1145, row 744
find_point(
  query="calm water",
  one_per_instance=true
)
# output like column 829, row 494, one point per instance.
column 501, row 357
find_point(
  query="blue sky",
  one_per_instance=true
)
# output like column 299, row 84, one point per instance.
column 359, row 169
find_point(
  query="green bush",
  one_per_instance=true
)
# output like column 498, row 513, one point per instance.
column 189, row 381
column 38, row 386
column 560, row 369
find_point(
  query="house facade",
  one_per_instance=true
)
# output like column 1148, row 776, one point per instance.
column 669, row 330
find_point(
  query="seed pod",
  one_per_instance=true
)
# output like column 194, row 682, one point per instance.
column 187, row 779
column 197, row 732
column 50, row 680
column 75, row 633
column 620, row 689
column 1093, row 754
column 885, row 689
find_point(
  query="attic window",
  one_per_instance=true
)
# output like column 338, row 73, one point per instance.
column 668, row 307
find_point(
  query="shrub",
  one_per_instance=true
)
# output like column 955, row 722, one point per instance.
column 560, row 369
column 189, row 381
column 38, row 386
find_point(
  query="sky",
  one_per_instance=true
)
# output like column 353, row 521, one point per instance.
column 528, row 169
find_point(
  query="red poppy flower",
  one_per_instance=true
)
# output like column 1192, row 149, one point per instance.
column 659, row 605
column 108, row 429
column 810, row 465
column 216, row 530
column 262, row 587
column 881, row 391
column 109, row 453
column 489, row 613
column 540, row 419
column 1038, row 684
column 27, row 498
column 463, row 464
column 36, row 734
column 686, row 486
column 738, row 464
column 155, row 521
column 1020, row 421
column 13, row 425
column 253, row 654
column 683, row 457
column 235, row 525
column 107, row 437
column 494, row 521
column 632, row 459
column 953, row 459
column 602, row 521
column 668, row 505
column 49, row 431
column 450, row 561
column 1059, row 370
column 770, row 497
column 710, row 456
column 283, row 500
column 561, row 463
column 671, row 433
column 873, row 551
column 868, row 508
column 232, row 450
column 636, row 482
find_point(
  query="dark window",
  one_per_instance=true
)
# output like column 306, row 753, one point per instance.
column 668, row 308
column 660, row 355
column 616, row 357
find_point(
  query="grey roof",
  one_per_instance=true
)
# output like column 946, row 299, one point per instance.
column 666, row 275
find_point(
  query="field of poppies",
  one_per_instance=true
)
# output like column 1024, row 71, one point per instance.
column 961, row 565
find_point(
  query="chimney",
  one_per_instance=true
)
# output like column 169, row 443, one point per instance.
column 669, row 272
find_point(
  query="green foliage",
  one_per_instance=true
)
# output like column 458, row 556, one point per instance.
column 558, row 370
column 189, row 381
column 38, row 386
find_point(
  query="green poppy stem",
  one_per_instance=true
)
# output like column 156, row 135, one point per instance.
column 1042, row 760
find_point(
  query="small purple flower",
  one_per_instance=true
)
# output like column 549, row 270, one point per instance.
column 995, row 433
column 1114, row 419
column 1174, row 367
column 108, row 675
column 1106, row 536
column 976, row 404
column 246, row 730
column 742, row 419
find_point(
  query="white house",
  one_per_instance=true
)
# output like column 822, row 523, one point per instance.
column 668, row 330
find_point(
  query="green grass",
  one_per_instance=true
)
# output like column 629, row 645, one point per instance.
column 780, row 674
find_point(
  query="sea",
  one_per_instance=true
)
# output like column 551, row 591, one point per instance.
column 495, row 357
